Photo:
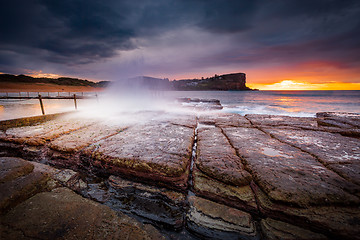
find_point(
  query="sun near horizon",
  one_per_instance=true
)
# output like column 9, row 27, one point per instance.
column 295, row 85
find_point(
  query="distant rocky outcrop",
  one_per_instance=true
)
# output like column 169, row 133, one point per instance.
column 233, row 81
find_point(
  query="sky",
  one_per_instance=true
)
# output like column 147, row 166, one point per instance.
column 279, row 44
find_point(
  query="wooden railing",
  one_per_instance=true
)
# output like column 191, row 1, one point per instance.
column 37, row 95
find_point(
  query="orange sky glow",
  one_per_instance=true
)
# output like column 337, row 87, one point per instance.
column 305, row 76
column 316, row 75
column 41, row 74
column 296, row 85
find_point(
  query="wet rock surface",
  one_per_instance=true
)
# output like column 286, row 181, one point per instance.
column 206, row 175
column 39, row 134
column 80, row 139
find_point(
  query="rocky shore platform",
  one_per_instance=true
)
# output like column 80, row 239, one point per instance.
column 160, row 175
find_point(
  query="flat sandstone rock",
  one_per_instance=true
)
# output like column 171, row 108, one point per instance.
column 225, row 120
column 82, row 138
column 337, row 221
column 42, row 132
column 287, row 174
column 241, row 197
column 263, row 120
column 156, row 152
column 339, row 153
column 217, row 221
column 216, row 158
column 339, row 119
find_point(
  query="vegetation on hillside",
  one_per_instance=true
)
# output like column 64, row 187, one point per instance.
column 58, row 81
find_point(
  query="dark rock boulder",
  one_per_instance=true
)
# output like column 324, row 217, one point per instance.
column 274, row 230
column 159, row 204
column 19, row 182
column 62, row 214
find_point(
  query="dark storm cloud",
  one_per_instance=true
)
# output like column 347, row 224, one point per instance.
column 73, row 32
column 79, row 31
column 296, row 31
column 303, row 20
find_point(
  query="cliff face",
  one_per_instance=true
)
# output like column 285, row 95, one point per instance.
column 233, row 81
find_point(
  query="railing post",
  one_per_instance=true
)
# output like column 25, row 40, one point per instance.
column 41, row 105
column 75, row 101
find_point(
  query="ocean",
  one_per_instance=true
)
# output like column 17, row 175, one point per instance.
column 290, row 103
